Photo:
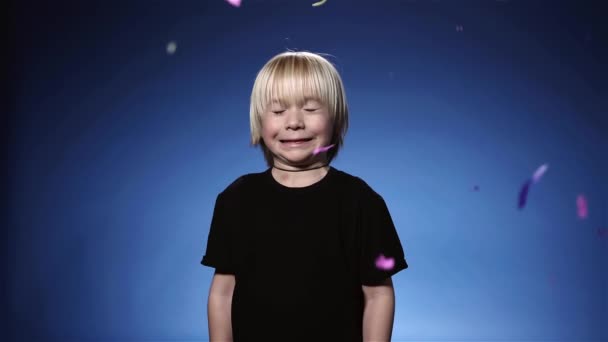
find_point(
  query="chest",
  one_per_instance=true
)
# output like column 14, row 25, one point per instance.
column 298, row 238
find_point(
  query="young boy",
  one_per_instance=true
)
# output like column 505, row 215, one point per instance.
column 301, row 251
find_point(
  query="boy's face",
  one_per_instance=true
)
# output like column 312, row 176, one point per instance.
column 308, row 123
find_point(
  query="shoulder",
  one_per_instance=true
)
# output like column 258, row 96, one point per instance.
column 236, row 185
column 240, row 185
column 360, row 187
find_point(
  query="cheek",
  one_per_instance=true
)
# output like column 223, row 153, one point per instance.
column 268, row 130
column 324, row 127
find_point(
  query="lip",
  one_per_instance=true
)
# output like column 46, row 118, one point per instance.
column 295, row 144
column 292, row 140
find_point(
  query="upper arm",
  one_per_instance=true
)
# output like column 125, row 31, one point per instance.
column 222, row 285
column 377, row 238
column 383, row 289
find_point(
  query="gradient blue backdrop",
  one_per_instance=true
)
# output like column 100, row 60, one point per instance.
column 118, row 149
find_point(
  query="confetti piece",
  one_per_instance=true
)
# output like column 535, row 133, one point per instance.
column 235, row 3
column 539, row 172
column 321, row 149
column 319, row 3
column 602, row 233
column 385, row 263
column 581, row 206
column 476, row 188
column 459, row 28
column 171, row 47
column 523, row 194
column 525, row 189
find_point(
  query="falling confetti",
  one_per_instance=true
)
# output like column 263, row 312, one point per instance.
column 459, row 28
column 385, row 263
column 235, row 3
column 321, row 149
column 523, row 194
column 539, row 172
column 476, row 188
column 171, row 47
column 319, row 3
column 581, row 206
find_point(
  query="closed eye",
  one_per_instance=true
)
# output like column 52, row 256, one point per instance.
column 278, row 111
column 310, row 110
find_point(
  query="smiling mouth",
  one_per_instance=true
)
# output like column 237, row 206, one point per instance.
column 295, row 141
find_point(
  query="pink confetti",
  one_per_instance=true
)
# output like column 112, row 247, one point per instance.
column 539, row 172
column 581, row 204
column 321, row 149
column 385, row 263
column 235, row 3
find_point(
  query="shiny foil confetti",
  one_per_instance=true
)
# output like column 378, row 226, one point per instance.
column 316, row 4
column 539, row 172
column 235, row 3
column 525, row 189
column 321, row 149
column 581, row 206
column 385, row 263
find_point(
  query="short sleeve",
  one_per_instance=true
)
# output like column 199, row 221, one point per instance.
column 381, row 252
column 218, row 252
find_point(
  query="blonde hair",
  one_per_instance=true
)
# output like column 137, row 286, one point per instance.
column 291, row 77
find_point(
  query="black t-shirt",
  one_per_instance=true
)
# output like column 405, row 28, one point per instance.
column 300, row 255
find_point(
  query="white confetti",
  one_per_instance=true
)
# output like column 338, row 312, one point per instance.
column 171, row 47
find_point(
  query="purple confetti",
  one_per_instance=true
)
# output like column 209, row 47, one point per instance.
column 385, row 263
column 321, row 149
column 523, row 194
column 539, row 172
column 581, row 206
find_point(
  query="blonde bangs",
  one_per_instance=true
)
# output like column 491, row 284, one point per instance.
column 293, row 82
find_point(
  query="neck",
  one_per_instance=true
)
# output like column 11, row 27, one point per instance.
column 312, row 168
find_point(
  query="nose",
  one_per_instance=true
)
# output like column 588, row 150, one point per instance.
column 295, row 118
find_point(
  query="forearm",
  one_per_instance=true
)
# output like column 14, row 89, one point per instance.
column 378, row 315
column 220, row 321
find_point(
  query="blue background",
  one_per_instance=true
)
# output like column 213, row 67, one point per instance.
column 117, row 149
